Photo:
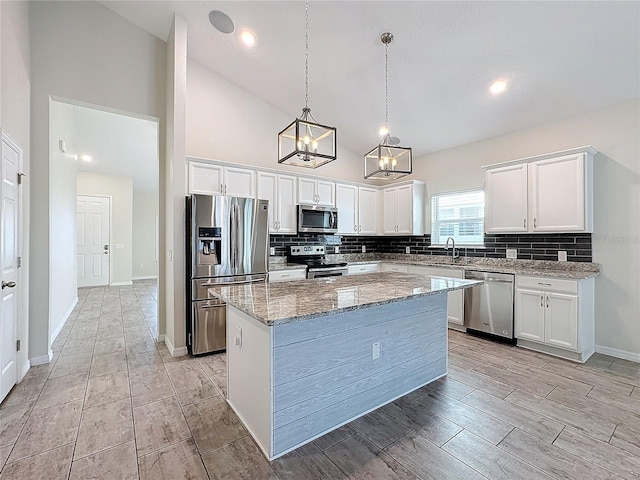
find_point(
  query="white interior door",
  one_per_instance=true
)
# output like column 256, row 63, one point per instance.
column 9, row 265
column 92, row 224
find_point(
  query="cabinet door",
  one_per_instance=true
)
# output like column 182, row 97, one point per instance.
column 267, row 184
column 287, row 216
column 561, row 320
column 306, row 190
column 326, row 193
column 506, row 199
column 367, row 211
column 390, row 197
column 557, row 194
column 404, row 209
column 347, row 203
column 205, row 179
column 529, row 321
column 239, row 182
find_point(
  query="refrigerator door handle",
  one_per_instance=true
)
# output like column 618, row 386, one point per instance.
column 240, row 282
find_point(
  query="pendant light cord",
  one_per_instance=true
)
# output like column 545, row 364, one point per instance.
column 386, row 86
column 306, row 55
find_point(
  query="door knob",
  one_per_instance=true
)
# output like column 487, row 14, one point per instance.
column 8, row 284
column 106, row 249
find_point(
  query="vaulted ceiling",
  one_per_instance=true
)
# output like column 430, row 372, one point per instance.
column 559, row 58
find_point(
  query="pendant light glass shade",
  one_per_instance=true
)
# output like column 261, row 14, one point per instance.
column 388, row 160
column 305, row 142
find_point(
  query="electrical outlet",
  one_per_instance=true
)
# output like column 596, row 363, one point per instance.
column 512, row 253
column 272, row 250
column 364, row 249
column 562, row 255
column 336, row 249
column 375, row 351
column 407, row 249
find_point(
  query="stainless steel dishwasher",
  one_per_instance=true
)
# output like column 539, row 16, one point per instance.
column 488, row 307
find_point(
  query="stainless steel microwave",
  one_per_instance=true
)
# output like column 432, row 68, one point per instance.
column 317, row 219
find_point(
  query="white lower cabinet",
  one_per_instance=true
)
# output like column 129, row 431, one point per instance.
column 455, row 299
column 288, row 275
column 555, row 316
column 361, row 269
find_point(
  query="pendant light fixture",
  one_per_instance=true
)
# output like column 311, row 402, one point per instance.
column 305, row 142
column 387, row 161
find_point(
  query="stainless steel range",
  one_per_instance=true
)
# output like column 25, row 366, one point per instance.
column 313, row 256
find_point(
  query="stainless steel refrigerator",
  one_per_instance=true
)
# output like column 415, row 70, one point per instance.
column 227, row 243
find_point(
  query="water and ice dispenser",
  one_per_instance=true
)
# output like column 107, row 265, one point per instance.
column 209, row 245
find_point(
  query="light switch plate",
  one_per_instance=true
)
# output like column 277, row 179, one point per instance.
column 364, row 249
column 512, row 253
column 272, row 250
column 562, row 255
column 336, row 249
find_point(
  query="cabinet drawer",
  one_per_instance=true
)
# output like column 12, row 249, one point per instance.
column 393, row 267
column 547, row 284
column 361, row 269
column 287, row 275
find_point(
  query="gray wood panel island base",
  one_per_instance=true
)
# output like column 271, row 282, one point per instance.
column 307, row 357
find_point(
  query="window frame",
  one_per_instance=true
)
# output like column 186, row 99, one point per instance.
column 436, row 223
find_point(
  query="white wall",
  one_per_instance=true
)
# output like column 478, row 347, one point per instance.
column 84, row 52
column 15, row 92
column 145, row 234
column 225, row 122
column 63, row 282
column 120, row 190
column 614, row 132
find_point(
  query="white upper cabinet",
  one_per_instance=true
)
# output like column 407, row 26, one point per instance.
column 557, row 194
column 205, row 179
column 208, row 179
column 547, row 193
column 316, row 192
column 280, row 190
column 506, row 199
column 357, row 211
column 403, row 211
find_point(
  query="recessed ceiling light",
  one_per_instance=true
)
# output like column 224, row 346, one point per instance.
column 86, row 158
column 498, row 87
column 221, row 21
column 248, row 37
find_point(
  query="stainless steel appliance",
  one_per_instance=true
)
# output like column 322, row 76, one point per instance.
column 488, row 308
column 227, row 243
column 317, row 219
column 313, row 256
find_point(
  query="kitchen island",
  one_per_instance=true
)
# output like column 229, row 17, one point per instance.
column 306, row 357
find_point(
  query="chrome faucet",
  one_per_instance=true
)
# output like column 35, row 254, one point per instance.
column 454, row 255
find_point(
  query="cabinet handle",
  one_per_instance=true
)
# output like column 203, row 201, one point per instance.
column 547, row 301
column 545, row 284
column 524, row 223
column 222, row 188
column 542, row 300
column 535, row 223
column 355, row 228
column 359, row 228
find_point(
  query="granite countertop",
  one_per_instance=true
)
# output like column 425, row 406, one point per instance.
column 535, row 268
column 278, row 303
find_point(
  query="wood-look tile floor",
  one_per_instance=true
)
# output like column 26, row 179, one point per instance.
column 113, row 404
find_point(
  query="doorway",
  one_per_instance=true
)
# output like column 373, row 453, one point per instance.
column 93, row 225
column 10, row 207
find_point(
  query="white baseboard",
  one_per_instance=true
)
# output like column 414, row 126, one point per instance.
column 121, row 284
column 160, row 338
column 66, row 316
column 174, row 351
column 614, row 352
column 42, row 360
column 25, row 369
column 147, row 277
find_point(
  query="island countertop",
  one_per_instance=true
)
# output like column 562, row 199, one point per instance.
column 278, row 303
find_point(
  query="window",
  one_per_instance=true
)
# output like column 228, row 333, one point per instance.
column 459, row 215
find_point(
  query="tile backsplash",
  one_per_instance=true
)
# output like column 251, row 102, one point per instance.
column 529, row 246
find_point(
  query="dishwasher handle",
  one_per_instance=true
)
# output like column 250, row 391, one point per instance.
column 489, row 277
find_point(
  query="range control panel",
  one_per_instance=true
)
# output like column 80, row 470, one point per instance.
column 307, row 250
